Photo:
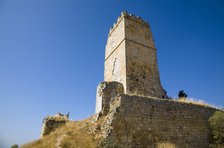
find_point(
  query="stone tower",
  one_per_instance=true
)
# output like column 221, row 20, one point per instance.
column 131, row 57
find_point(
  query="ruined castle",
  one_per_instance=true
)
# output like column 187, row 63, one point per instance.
column 133, row 100
column 135, row 109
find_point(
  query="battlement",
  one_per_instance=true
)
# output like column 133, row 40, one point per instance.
column 130, row 16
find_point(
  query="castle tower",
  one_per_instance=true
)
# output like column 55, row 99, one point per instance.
column 131, row 58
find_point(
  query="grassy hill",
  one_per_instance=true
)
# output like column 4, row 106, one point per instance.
column 72, row 134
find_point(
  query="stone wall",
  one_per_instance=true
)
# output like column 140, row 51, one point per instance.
column 106, row 91
column 51, row 123
column 114, row 66
column 135, row 121
column 142, row 71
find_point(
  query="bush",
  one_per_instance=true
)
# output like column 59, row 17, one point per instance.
column 216, row 122
column 15, row 146
column 182, row 94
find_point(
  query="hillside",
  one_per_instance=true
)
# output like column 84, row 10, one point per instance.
column 136, row 121
column 72, row 134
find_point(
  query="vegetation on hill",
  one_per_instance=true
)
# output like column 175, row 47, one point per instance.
column 88, row 134
column 15, row 146
column 72, row 134
column 216, row 122
column 182, row 94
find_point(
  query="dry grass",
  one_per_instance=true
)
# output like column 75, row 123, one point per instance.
column 196, row 102
column 165, row 145
column 75, row 135
column 48, row 142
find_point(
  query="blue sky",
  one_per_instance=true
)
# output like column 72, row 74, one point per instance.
column 52, row 55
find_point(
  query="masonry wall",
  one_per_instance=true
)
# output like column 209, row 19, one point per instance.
column 114, row 66
column 107, row 91
column 147, row 122
column 131, row 58
column 141, row 60
column 142, row 71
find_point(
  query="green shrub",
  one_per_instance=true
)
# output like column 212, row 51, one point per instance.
column 15, row 146
column 216, row 122
column 182, row 94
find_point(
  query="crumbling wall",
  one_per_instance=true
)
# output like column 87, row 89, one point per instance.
column 50, row 123
column 135, row 121
column 106, row 91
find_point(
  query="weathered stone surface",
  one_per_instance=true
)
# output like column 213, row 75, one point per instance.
column 106, row 91
column 50, row 123
column 131, row 57
column 135, row 121
column 139, row 117
column 134, row 115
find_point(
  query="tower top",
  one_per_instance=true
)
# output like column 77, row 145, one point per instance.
column 125, row 14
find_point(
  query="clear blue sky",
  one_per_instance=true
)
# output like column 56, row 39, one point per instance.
column 52, row 55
